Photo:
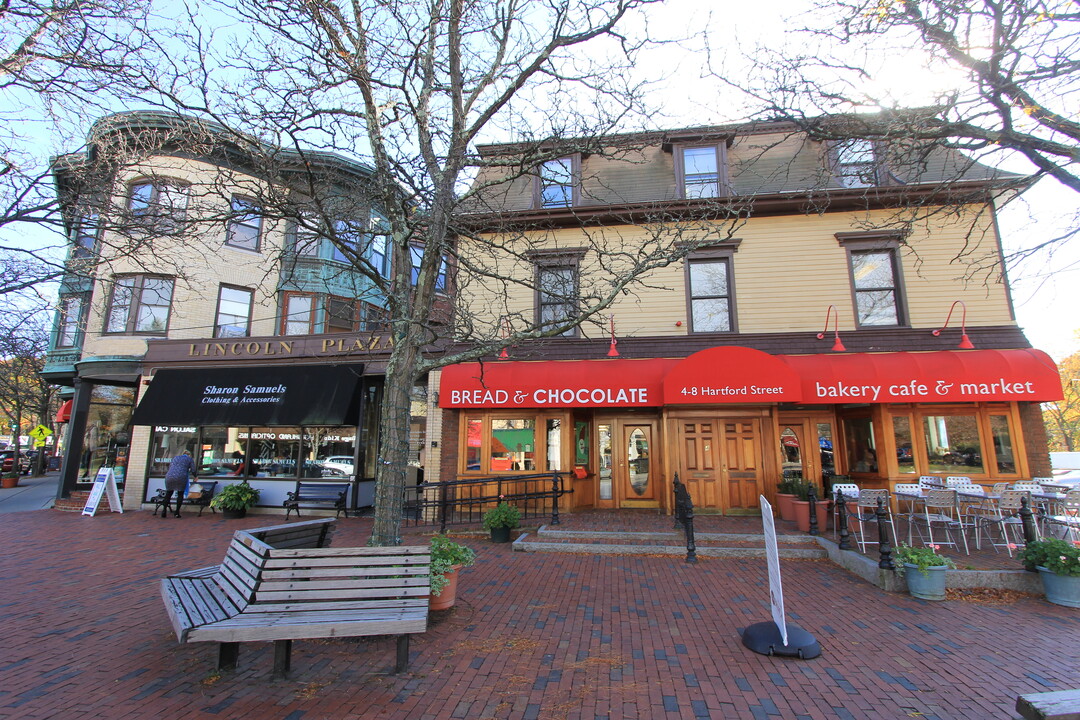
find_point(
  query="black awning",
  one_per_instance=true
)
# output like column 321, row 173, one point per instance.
column 289, row 395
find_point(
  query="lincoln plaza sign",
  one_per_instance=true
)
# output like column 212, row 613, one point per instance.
column 251, row 348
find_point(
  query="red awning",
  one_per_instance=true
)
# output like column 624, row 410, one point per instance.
column 731, row 375
column 554, row 383
column 63, row 415
column 946, row 376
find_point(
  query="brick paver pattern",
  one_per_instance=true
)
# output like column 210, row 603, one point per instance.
column 545, row 636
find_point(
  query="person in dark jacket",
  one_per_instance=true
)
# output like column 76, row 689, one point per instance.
column 176, row 480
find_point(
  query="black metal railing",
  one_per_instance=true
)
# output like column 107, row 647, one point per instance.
column 465, row 500
column 684, row 513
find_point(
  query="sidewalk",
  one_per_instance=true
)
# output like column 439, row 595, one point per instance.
column 545, row 636
column 32, row 493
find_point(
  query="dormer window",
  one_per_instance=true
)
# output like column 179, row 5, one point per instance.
column 700, row 172
column 856, row 163
column 557, row 183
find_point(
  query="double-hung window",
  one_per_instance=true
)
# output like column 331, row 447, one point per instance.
column 70, row 321
column 856, row 163
column 139, row 304
column 876, row 282
column 416, row 256
column 160, row 205
column 557, row 288
column 298, row 314
column 84, row 237
column 378, row 245
column 245, row 225
column 700, row 172
column 710, row 288
column 557, row 183
column 347, row 238
column 340, row 315
column 234, row 312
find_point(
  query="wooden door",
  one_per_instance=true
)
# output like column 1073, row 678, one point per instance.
column 742, row 463
column 699, row 461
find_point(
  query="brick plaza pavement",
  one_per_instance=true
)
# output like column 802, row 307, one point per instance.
column 552, row 637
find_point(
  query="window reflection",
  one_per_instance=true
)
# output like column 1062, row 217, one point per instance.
column 952, row 444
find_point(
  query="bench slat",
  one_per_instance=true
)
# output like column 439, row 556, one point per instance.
column 370, row 571
column 290, row 627
column 346, row 594
column 315, row 585
column 420, row 601
column 376, row 553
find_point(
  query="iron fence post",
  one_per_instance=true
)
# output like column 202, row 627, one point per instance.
column 884, row 546
column 555, row 498
column 841, row 520
column 811, row 496
column 1027, row 520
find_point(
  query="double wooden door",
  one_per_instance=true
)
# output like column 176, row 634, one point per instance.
column 720, row 461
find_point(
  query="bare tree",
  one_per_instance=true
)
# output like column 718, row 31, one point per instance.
column 413, row 89
column 25, row 398
column 60, row 60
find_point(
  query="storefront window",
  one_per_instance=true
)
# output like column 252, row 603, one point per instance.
column 369, row 429
column 274, row 452
column 905, row 456
column 952, row 443
column 554, row 444
column 1003, row 447
column 474, row 433
column 107, row 437
column 168, row 443
column 211, row 458
column 825, row 447
column 418, row 403
column 603, row 447
column 513, row 445
column 861, row 450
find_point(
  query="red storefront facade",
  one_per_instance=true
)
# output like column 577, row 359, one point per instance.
column 730, row 420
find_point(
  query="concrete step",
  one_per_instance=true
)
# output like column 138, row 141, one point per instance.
column 729, row 545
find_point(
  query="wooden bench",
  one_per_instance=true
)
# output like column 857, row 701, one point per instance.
column 317, row 494
column 284, row 583
column 202, row 502
column 1059, row 705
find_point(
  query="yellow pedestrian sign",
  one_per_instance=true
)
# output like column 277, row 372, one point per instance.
column 40, row 433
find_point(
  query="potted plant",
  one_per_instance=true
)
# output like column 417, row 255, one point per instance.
column 928, row 579
column 9, row 480
column 234, row 500
column 785, row 495
column 500, row 520
column 447, row 557
column 1058, row 563
column 801, row 506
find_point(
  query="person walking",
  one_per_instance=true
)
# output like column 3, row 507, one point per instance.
column 176, row 479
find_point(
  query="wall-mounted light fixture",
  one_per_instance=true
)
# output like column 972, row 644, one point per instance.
column 965, row 343
column 837, row 345
column 613, row 352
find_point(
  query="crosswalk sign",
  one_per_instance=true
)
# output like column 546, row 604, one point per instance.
column 40, row 432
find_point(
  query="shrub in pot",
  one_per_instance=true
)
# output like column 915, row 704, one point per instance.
column 1058, row 563
column 924, row 570
column 500, row 520
column 234, row 500
column 447, row 557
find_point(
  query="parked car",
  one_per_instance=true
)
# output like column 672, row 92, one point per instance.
column 7, row 461
column 342, row 463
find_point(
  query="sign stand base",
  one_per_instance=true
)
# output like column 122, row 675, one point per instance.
column 764, row 638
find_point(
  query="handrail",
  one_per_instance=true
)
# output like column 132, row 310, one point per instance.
column 465, row 500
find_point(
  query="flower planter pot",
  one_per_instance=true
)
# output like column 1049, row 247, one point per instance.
column 500, row 534
column 9, row 482
column 1061, row 589
column 784, row 506
column 823, row 515
column 446, row 599
column 802, row 515
column 926, row 584
column 233, row 514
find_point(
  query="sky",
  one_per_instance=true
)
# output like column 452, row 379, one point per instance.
column 718, row 37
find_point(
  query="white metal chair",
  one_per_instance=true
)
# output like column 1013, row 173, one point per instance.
column 940, row 510
column 931, row 482
column 1069, row 520
column 974, row 508
column 956, row 481
column 866, row 513
column 906, row 493
column 1007, row 518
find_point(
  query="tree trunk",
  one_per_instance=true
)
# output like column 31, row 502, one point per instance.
column 393, row 456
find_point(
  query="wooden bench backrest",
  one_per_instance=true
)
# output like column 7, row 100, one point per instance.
column 308, row 534
column 368, row 576
column 239, row 572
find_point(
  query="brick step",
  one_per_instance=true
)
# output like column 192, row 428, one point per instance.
column 75, row 503
column 664, row 543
